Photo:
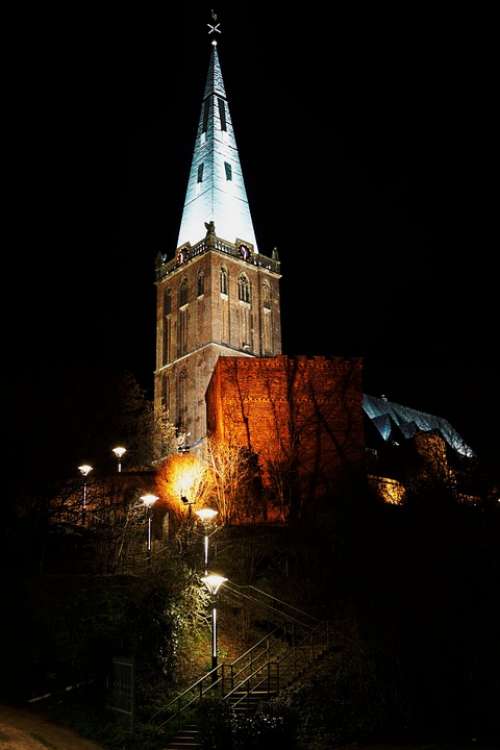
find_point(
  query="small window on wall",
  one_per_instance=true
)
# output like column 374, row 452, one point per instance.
column 229, row 171
column 201, row 284
column 200, row 172
column 223, row 281
column 183, row 293
column 222, row 114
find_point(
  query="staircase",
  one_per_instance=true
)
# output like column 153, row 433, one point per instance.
column 185, row 739
column 279, row 659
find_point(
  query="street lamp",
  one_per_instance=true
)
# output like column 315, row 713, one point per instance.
column 85, row 470
column 119, row 453
column 213, row 583
column 206, row 515
column 149, row 501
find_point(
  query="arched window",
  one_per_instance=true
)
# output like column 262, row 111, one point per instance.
column 183, row 293
column 181, row 399
column 223, row 281
column 166, row 340
column 167, row 302
column 267, row 331
column 182, row 332
column 266, row 295
column 201, row 284
column 165, row 393
column 243, row 289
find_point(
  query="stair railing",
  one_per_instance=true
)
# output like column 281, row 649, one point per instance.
column 246, row 668
column 217, row 679
column 287, row 616
column 317, row 637
column 194, row 693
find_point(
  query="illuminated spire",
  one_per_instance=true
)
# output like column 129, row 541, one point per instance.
column 216, row 189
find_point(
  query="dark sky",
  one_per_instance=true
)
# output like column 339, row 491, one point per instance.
column 367, row 155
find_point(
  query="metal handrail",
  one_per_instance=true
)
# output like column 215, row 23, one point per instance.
column 213, row 683
column 243, row 682
column 252, row 648
column 292, row 651
column 187, row 690
column 195, row 698
column 290, row 606
column 285, row 615
column 275, row 660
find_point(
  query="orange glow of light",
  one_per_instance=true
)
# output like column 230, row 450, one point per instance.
column 182, row 475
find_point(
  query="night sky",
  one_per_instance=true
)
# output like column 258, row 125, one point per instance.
column 367, row 157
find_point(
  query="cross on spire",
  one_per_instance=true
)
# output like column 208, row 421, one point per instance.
column 214, row 28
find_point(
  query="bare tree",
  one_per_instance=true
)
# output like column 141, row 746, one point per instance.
column 230, row 473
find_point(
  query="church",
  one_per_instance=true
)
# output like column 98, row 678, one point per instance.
column 220, row 370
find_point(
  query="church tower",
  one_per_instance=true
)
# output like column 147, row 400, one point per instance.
column 218, row 296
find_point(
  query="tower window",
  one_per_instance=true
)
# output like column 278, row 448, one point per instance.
column 223, row 281
column 243, row 289
column 206, row 110
column 166, row 341
column 181, row 400
column 167, row 302
column 266, row 296
column 183, row 293
column 165, row 392
column 222, row 114
column 182, row 333
column 229, row 171
column 201, row 283
column 200, row 172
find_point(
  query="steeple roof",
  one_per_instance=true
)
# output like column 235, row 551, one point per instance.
column 216, row 188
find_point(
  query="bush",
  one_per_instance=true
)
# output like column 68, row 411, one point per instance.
column 272, row 728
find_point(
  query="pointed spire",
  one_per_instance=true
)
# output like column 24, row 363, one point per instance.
column 216, row 188
column 215, row 82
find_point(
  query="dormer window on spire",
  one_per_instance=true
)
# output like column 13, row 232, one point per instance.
column 206, row 112
column 222, row 114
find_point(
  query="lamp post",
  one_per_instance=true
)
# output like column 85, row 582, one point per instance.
column 206, row 515
column 213, row 583
column 149, row 500
column 189, row 502
column 85, row 470
column 119, row 452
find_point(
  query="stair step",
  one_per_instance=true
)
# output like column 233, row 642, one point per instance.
column 185, row 739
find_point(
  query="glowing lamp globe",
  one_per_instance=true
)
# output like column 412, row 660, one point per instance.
column 206, row 514
column 85, row 469
column 213, row 582
column 119, row 451
column 149, row 500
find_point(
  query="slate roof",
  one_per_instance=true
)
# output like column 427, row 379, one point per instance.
column 216, row 188
column 384, row 414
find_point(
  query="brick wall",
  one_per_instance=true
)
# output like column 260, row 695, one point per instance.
column 300, row 413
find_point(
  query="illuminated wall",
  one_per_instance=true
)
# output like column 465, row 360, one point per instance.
column 303, row 414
